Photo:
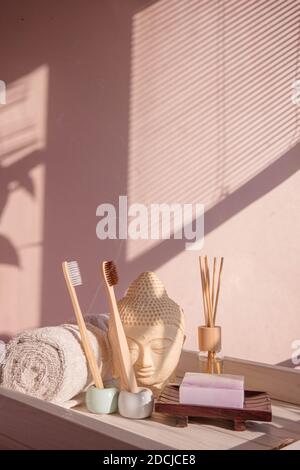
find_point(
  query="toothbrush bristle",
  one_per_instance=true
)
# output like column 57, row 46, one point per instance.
column 111, row 274
column 74, row 273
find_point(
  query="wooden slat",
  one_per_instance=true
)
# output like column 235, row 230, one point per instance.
column 7, row 443
column 34, row 426
column 27, row 422
column 281, row 383
column 293, row 446
column 37, row 424
column 194, row 437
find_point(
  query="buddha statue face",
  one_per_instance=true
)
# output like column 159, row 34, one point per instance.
column 154, row 328
column 155, row 351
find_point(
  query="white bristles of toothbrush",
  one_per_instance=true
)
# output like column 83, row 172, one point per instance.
column 74, row 273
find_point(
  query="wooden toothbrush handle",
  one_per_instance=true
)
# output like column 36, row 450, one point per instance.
column 93, row 366
column 120, row 346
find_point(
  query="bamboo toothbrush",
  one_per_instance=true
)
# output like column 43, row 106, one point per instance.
column 73, row 279
column 118, row 338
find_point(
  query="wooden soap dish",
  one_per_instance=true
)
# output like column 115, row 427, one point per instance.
column 257, row 407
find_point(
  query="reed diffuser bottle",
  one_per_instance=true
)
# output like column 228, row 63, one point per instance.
column 209, row 335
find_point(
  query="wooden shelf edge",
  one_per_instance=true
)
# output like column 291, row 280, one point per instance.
column 281, row 383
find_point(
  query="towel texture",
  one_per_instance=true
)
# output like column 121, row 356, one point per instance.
column 2, row 356
column 49, row 363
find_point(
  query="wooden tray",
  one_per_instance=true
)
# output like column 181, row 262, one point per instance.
column 257, row 407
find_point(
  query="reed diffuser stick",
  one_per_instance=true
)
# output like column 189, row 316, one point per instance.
column 205, row 293
column 210, row 291
column 208, row 296
column 213, row 286
column 203, row 290
column 218, row 289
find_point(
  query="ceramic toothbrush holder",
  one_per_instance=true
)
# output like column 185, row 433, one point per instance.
column 137, row 405
column 102, row 400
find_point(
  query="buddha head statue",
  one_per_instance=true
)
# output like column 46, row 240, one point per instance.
column 154, row 328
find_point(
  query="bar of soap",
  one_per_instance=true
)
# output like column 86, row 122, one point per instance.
column 235, row 382
column 223, row 390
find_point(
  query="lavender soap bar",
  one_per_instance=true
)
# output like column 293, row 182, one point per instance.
column 224, row 390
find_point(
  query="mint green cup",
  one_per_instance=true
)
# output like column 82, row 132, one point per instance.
column 102, row 400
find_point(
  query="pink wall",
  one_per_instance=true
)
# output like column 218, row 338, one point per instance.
column 167, row 102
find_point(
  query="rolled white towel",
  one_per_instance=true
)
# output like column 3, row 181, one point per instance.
column 49, row 363
column 100, row 320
